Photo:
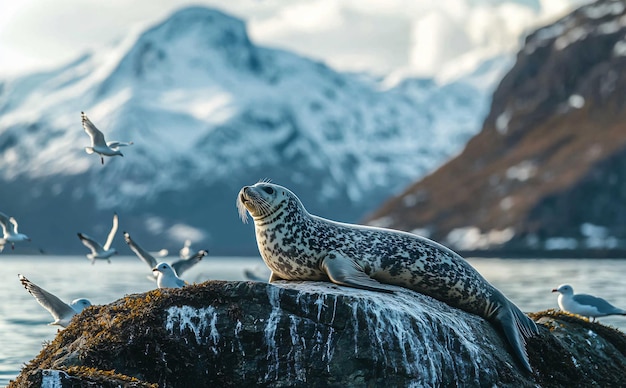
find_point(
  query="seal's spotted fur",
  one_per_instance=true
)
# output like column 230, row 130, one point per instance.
column 296, row 245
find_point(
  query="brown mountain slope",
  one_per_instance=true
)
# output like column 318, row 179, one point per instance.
column 548, row 169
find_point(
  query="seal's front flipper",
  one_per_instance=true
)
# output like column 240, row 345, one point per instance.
column 342, row 270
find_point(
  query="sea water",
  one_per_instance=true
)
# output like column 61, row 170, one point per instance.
column 24, row 325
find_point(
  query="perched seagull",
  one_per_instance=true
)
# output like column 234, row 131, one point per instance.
column 61, row 311
column 179, row 266
column 167, row 278
column 9, row 232
column 98, row 251
column 185, row 251
column 585, row 305
column 98, row 144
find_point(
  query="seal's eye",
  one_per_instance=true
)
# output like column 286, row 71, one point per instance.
column 268, row 190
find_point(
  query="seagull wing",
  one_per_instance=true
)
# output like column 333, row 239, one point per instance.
column 181, row 266
column 6, row 223
column 90, row 243
column 111, row 235
column 59, row 309
column 14, row 223
column 602, row 305
column 140, row 252
column 114, row 145
column 97, row 137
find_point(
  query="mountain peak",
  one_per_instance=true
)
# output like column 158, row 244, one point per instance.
column 193, row 43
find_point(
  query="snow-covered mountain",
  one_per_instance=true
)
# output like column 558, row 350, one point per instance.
column 209, row 112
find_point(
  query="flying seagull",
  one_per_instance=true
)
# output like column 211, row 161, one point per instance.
column 166, row 277
column 583, row 304
column 179, row 266
column 98, row 251
column 98, row 144
column 61, row 311
column 9, row 232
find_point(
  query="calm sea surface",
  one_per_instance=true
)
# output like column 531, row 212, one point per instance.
column 23, row 322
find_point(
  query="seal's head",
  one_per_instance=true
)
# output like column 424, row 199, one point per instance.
column 262, row 199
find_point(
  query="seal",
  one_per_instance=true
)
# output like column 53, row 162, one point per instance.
column 297, row 245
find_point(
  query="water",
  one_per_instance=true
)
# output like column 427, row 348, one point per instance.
column 23, row 322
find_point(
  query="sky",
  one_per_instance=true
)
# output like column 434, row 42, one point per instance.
column 414, row 37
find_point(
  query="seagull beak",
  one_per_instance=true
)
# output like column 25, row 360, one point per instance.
column 155, row 270
column 555, row 290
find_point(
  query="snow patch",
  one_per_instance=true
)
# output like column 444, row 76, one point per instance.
column 576, row 101
column 597, row 236
column 507, row 203
column 522, row 171
column 574, row 35
column 554, row 243
column 502, row 122
column 470, row 237
column 601, row 10
column 619, row 50
column 424, row 232
column 382, row 222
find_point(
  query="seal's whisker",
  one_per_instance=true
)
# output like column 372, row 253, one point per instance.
column 241, row 208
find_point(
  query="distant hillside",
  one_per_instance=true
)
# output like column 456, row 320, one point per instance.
column 548, row 169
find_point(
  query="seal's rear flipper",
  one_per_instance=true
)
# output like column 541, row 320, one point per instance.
column 517, row 328
column 342, row 270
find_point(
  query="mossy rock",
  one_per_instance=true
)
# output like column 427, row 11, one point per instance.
column 313, row 334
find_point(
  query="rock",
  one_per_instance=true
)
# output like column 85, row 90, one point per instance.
column 312, row 334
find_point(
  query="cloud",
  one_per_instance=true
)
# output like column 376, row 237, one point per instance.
column 359, row 35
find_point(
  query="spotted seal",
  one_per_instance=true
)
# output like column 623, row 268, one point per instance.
column 297, row 245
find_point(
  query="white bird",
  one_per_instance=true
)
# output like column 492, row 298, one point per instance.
column 9, row 232
column 61, row 311
column 185, row 251
column 583, row 304
column 179, row 266
column 167, row 278
column 98, row 144
column 98, row 251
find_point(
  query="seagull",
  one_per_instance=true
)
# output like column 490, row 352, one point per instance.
column 179, row 266
column 98, row 144
column 185, row 251
column 9, row 232
column 166, row 277
column 585, row 305
column 98, row 251
column 61, row 311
